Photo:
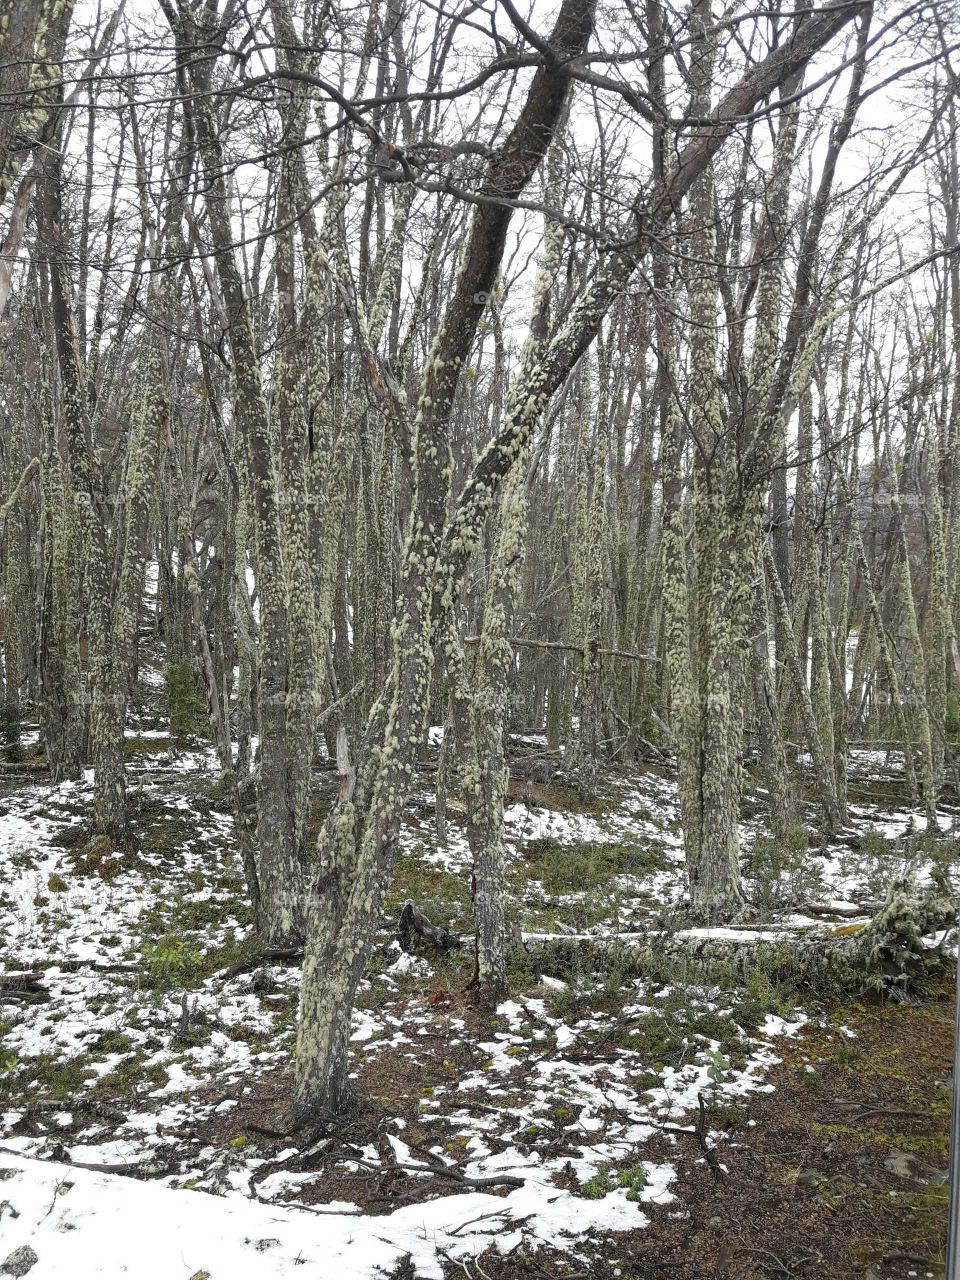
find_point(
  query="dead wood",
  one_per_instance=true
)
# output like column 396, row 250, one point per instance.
column 22, row 986
column 699, row 1131
column 269, row 955
column 416, row 931
column 887, row 953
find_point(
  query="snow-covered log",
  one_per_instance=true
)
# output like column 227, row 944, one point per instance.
column 899, row 945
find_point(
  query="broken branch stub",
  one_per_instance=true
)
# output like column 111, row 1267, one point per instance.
column 415, row 932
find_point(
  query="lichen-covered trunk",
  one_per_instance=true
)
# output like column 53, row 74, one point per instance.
column 939, row 623
column 715, row 889
column 887, row 666
column 109, row 807
column 135, row 501
column 918, row 665
column 480, row 697
column 822, row 765
column 280, row 871
column 356, row 859
column 62, row 712
column 353, row 875
column 781, row 808
column 710, row 743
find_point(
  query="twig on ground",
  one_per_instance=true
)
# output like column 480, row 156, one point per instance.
column 454, row 1175
column 699, row 1131
column 269, row 955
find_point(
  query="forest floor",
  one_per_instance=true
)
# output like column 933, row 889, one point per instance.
column 538, row 1141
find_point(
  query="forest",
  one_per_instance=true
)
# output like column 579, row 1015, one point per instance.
column 479, row 665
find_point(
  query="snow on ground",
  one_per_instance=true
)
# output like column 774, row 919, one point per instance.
column 145, row 1052
column 83, row 1224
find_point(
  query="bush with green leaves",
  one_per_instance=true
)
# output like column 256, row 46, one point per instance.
column 633, row 1181
column 598, row 1185
column 719, row 1066
column 602, row 1182
column 173, row 962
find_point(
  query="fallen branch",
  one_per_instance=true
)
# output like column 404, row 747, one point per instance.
column 840, row 913
column 89, row 1106
column 80, row 966
column 116, row 1170
column 453, row 1175
column 563, row 646
column 269, row 955
column 32, row 467
column 92, row 966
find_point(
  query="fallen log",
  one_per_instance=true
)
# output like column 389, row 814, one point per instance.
column 269, row 955
column 452, row 1175
column 885, row 954
column 829, row 911
column 22, row 986
column 60, row 1155
column 88, row 1106
column 80, row 966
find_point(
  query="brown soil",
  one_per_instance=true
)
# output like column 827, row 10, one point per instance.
column 838, row 1174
